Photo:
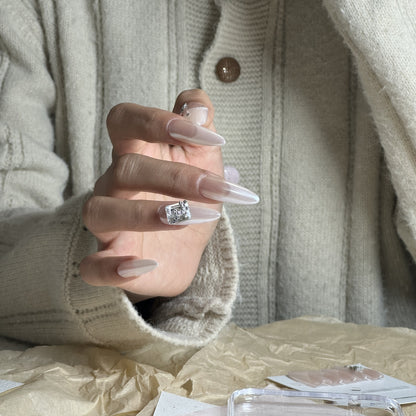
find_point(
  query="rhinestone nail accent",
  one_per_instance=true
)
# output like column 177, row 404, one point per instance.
column 177, row 213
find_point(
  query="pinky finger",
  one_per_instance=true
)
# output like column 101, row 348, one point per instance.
column 100, row 270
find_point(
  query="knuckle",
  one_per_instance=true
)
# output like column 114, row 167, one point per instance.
column 137, row 215
column 199, row 93
column 152, row 115
column 178, row 178
column 85, row 270
column 193, row 92
column 152, row 125
column 116, row 114
column 124, row 167
column 90, row 211
column 196, row 95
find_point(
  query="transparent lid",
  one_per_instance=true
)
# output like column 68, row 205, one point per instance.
column 283, row 402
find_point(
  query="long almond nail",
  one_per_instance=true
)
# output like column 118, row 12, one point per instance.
column 188, row 132
column 214, row 187
column 137, row 267
column 183, row 213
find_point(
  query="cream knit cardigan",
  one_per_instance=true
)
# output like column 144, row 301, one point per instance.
column 321, row 123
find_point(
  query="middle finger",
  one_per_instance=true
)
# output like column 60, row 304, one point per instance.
column 138, row 173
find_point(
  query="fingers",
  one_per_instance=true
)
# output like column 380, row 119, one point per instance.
column 138, row 173
column 105, row 214
column 102, row 269
column 127, row 123
column 142, row 173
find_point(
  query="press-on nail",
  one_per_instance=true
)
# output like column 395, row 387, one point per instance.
column 214, row 187
column 183, row 213
column 231, row 174
column 137, row 267
column 195, row 112
column 188, row 132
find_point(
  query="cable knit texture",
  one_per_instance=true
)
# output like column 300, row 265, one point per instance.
column 51, row 66
column 320, row 123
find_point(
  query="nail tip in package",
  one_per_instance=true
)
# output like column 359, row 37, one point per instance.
column 335, row 376
column 284, row 402
column 353, row 379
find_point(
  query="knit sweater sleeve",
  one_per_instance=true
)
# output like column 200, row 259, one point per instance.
column 43, row 300
column 382, row 38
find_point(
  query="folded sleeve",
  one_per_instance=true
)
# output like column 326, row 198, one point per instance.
column 43, row 299
column 382, row 38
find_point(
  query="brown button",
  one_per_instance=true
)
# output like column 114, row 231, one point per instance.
column 228, row 69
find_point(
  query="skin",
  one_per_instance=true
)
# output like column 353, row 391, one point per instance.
column 149, row 169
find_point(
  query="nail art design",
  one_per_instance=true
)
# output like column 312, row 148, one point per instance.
column 183, row 213
column 216, row 188
column 137, row 267
column 178, row 213
column 194, row 112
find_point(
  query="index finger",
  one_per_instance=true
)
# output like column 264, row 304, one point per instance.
column 129, row 122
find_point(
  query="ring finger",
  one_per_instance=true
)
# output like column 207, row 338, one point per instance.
column 105, row 214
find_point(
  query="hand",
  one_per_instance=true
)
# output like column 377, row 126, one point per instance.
column 158, row 158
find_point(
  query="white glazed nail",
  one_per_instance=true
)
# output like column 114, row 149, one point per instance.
column 189, row 132
column 231, row 174
column 183, row 213
column 216, row 188
column 195, row 112
column 137, row 267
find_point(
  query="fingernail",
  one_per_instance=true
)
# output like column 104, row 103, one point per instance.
column 231, row 174
column 214, row 187
column 132, row 268
column 195, row 112
column 184, row 214
column 188, row 132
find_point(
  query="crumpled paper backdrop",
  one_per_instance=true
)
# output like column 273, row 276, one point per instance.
column 85, row 380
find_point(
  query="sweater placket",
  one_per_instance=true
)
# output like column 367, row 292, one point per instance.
column 248, row 116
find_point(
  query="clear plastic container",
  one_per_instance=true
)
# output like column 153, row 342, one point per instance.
column 270, row 402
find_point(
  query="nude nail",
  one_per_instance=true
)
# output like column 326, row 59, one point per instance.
column 231, row 174
column 197, row 214
column 189, row 132
column 195, row 112
column 214, row 187
column 137, row 267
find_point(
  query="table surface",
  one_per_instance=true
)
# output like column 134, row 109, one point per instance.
column 78, row 380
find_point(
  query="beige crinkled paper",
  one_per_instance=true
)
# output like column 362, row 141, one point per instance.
column 82, row 380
